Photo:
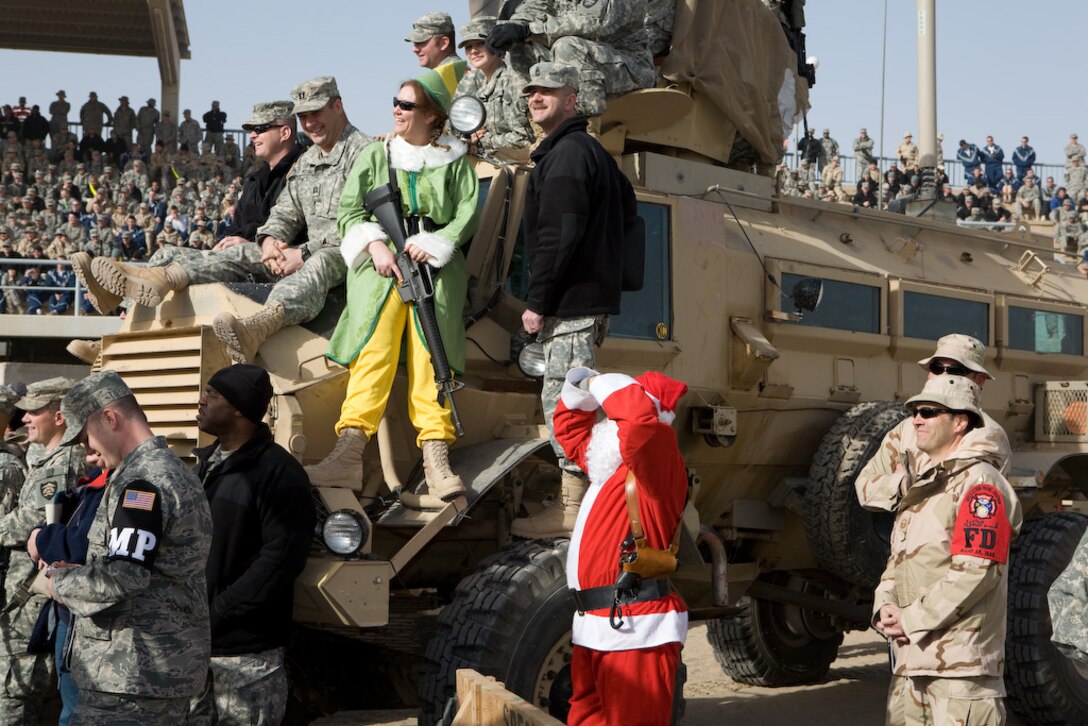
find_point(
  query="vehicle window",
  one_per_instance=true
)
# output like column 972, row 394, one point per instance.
column 931, row 316
column 647, row 313
column 844, row 305
column 1045, row 331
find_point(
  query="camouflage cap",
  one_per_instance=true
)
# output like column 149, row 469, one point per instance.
column 266, row 113
column 8, row 397
column 430, row 25
column 312, row 95
column 477, row 29
column 86, row 397
column 551, row 75
column 955, row 393
column 965, row 350
column 863, row 131
column 42, row 393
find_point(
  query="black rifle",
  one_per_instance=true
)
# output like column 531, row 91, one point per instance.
column 417, row 288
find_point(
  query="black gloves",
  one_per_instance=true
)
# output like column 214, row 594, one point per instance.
column 505, row 35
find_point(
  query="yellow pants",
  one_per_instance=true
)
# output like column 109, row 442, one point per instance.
column 371, row 378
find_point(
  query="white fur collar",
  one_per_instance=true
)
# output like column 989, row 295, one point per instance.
column 603, row 453
column 407, row 157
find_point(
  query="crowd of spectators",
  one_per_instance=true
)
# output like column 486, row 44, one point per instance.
column 151, row 182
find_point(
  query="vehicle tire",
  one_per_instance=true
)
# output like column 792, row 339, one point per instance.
column 847, row 540
column 1044, row 687
column 773, row 644
column 510, row 619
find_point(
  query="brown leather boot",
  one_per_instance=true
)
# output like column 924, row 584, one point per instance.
column 557, row 520
column 243, row 336
column 343, row 467
column 441, row 481
column 103, row 300
column 146, row 286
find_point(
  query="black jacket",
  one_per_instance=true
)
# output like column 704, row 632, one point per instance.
column 262, row 525
column 576, row 208
column 261, row 190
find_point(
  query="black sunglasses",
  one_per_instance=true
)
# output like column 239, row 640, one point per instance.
column 926, row 412
column 261, row 128
column 404, row 105
column 954, row 369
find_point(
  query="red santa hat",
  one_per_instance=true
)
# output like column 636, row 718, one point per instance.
column 665, row 391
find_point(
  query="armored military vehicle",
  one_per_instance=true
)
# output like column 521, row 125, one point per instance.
column 788, row 400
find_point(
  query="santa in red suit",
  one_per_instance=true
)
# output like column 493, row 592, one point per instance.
column 625, row 656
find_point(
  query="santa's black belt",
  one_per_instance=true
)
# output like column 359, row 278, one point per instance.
column 601, row 598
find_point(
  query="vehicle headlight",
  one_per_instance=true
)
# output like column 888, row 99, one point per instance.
column 344, row 532
column 467, row 114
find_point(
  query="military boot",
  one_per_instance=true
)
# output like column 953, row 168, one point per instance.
column 103, row 300
column 243, row 336
column 147, row 286
column 86, row 350
column 558, row 519
column 343, row 467
column 441, row 481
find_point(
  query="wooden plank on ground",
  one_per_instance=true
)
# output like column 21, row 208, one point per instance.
column 483, row 701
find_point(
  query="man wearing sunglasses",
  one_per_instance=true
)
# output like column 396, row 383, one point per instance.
column 884, row 479
column 942, row 598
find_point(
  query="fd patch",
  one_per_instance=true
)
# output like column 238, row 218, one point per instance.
column 982, row 529
column 136, row 526
column 48, row 489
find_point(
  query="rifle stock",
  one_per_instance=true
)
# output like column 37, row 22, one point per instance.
column 417, row 288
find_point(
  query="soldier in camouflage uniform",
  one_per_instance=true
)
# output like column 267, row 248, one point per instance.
column 885, row 477
column 189, row 132
column 942, row 598
column 907, row 152
column 58, row 113
column 1068, row 597
column 498, row 87
column 51, row 468
column 12, row 468
column 146, row 120
column 303, row 272
column 141, row 641
column 91, row 113
column 124, row 121
column 568, row 313
column 606, row 40
column 166, row 131
column 433, row 39
column 829, row 149
column 1073, row 150
column 863, row 156
column 263, row 520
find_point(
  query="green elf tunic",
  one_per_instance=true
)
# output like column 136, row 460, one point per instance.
column 435, row 182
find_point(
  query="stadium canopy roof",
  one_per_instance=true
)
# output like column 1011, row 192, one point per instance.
column 147, row 28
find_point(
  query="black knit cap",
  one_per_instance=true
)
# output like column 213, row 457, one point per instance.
column 245, row 387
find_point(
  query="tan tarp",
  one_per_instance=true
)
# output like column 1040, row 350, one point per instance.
column 735, row 53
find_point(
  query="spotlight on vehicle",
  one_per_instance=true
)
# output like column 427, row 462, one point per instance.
column 807, row 294
column 467, row 115
column 344, row 532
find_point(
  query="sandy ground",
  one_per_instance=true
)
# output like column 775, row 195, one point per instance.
column 853, row 692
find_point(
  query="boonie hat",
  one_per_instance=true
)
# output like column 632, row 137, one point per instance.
column 551, row 75
column 312, row 95
column 955, row 393
column 266, row 113
column 42, row 393
column 430, row 25
column 86, row 397
column 964, row 349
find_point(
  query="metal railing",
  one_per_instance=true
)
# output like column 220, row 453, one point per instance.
column 77, row 289
column 241, row 138
column 953, row 169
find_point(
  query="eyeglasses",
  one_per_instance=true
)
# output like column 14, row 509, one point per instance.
column 928, row 413
column 261, row 128
column 404, row 105
column 955, row 369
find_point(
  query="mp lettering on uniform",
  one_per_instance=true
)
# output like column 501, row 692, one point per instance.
column 121, row 539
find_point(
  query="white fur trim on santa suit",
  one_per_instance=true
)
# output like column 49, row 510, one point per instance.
column 574, row 397
column 637, row 631
column 438, row 247
column 353, row 246
column 409, row 157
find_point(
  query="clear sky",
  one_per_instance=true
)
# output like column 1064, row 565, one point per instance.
column 1005, row 67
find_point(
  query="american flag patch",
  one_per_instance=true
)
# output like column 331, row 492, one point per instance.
column 138, row 500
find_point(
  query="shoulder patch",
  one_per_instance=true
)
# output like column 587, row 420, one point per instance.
column 136, row 526
column 982, row 529
column 48, row 489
